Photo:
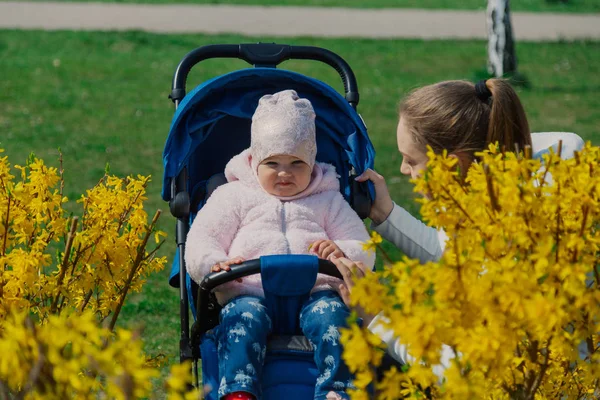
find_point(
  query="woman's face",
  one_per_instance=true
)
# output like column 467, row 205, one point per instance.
column 414, row 155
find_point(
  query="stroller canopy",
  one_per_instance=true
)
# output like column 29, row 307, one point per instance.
column 212, row 124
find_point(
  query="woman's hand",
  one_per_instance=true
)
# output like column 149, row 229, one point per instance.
column 351, row 271
column 326, row 248
column 383, row 204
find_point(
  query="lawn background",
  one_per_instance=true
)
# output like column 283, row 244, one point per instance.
column 102, row 98
column 579, row 6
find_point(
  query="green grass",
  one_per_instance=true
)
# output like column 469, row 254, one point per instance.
column 579, row 6
column 102, row 98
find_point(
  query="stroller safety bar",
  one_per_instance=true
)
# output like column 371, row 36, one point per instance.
column 207, row 307
column 264, row 55
column 252, row 267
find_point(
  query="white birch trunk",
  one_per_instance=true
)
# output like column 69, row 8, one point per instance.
column 501, row 46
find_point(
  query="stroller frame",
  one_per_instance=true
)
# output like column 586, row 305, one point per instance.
column 258, row 55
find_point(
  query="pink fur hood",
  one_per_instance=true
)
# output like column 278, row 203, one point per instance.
column 241, row 219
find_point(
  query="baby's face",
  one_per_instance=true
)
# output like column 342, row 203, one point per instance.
column 283, row 175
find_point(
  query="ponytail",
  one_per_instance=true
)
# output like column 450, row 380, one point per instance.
column 508, row 124
column 463, row 118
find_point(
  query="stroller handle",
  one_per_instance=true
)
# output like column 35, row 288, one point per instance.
column 264, row 55
column 251, row 267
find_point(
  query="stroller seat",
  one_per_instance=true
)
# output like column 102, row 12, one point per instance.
column 289, row 362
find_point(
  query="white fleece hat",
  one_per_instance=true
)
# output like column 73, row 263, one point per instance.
column 283, row 123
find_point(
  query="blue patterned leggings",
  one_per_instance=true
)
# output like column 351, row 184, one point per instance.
column 242, row 343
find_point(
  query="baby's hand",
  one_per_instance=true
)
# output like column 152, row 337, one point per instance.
column 225, row 265
column 326, row 248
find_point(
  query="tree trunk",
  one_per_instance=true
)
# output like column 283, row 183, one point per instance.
column 502, row 59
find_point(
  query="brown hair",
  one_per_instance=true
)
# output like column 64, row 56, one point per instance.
column 450, row 115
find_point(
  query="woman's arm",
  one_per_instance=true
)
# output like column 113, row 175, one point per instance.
column 399, row 351
column 394, row 347
column 412, row 236
column 398, row 226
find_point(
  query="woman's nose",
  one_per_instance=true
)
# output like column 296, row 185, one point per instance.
column 405, row 169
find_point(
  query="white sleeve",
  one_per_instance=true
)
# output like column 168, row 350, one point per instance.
column 399, row 351
column 542, row 142
column 394, row 348
column 412, row 236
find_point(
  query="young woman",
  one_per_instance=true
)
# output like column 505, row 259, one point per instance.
column 463, row 119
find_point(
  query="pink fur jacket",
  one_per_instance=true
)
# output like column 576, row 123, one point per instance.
column 241, row 219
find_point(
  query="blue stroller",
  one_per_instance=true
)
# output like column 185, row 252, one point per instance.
column 212, row 124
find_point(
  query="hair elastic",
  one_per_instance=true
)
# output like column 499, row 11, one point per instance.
column 482, row 91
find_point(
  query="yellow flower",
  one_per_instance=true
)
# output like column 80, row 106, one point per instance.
column 371, row 244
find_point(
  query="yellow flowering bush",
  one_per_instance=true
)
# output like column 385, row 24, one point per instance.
column 71, row 358
column 515, row 298
column 63, row 281
column 104, row 255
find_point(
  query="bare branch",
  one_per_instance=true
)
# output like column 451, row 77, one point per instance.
column 61, row 172
column 557, row 236
column 6, row 226
column 542, row 372
column 458, row 204
column 527, row 149
column 581, row 231
column 134, row 268
column 490, row 188
column 3, row 391
column 34, row 374
column 65, row 261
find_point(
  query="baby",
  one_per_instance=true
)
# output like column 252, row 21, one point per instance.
column 278, row 200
